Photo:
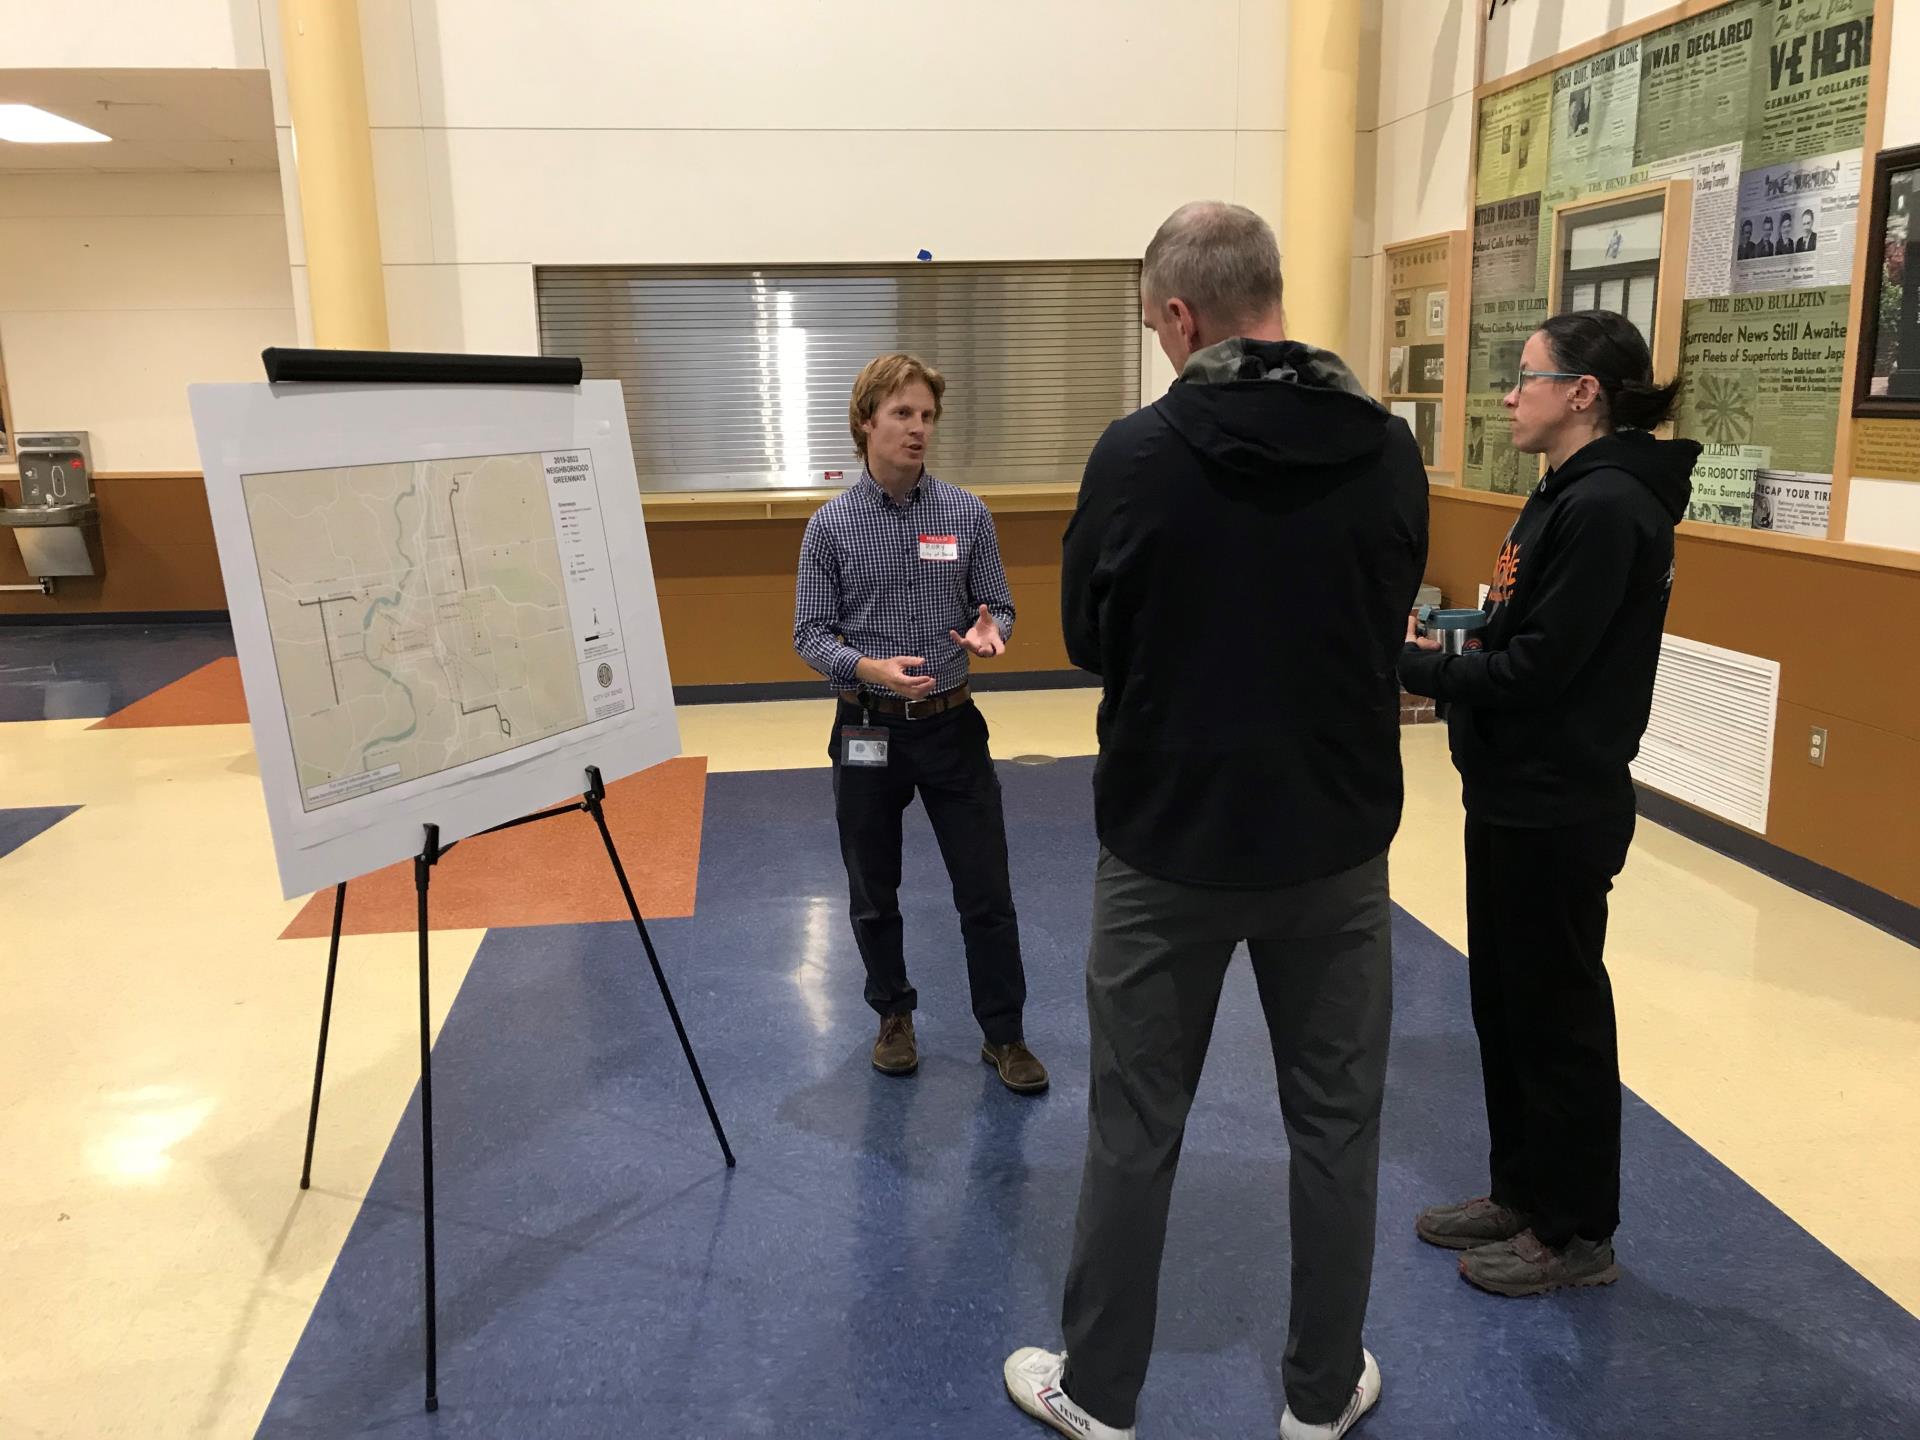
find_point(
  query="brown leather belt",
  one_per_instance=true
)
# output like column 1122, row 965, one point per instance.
column 909, row 709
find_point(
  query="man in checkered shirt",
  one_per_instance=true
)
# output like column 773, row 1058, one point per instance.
column 900, row 584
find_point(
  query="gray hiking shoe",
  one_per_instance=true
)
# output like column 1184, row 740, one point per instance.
column 1468, row 1225
column 1523, row 1266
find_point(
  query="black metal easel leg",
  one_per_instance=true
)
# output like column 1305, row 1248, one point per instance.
column 326, row 1018
column 596, row 791
column 422, row 869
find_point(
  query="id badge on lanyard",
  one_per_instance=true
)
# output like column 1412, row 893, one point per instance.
column 864, row 745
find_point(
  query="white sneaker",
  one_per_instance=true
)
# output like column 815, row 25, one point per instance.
column 1365, row 1396
column 1033, row 1380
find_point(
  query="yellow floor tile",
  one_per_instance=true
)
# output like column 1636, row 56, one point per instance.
column 160, row 1260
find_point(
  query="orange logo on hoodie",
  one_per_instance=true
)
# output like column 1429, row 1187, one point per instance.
column 1506, row 574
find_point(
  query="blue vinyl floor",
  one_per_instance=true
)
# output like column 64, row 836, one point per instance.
column 67, row 672
column 885, row 1243
column 18, row 826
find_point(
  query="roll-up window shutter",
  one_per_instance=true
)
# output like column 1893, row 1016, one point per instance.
column 737, row 377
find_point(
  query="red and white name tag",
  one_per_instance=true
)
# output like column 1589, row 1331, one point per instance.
column 939, row 547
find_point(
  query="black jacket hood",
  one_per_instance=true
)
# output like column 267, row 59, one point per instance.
column 1262, row 407
column 1664, row 466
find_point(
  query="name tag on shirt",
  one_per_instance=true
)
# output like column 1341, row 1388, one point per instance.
column 939, row 547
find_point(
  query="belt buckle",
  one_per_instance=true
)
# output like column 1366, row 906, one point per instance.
column 907, row 704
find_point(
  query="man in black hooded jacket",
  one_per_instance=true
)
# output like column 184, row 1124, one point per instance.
column 1238, row 573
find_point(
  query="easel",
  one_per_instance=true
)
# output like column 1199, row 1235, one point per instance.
column 348, row 366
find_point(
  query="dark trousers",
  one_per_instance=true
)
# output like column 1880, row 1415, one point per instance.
column 1543, row 1009
column 944, row 759
column 1323, row 959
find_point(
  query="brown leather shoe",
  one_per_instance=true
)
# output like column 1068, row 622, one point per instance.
column 1020, row 1071
column 894, row 1053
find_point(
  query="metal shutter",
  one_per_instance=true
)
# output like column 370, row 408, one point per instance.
column 737, row 377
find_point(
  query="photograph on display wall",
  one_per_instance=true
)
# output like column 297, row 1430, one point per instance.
column 1580, row 111
column 1426, row 370
column 1889, row 369
column 1797, row 224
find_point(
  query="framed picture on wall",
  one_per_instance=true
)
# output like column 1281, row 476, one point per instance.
column 1627, row 252
column 1887, row 366
column 1421, row 344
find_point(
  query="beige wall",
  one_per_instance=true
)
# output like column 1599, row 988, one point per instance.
column 508, row 135
column 131, row 34
column 1529, row 31
column 1903, row 96
column 1422, row 133
column 118, row 291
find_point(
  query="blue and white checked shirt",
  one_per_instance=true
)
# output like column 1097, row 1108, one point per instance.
column 865, row 592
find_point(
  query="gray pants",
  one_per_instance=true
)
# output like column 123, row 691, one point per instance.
column 1323, row 958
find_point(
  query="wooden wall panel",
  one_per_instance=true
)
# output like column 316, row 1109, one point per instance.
column 726, row 597
column 726, row 589
column 153, row 550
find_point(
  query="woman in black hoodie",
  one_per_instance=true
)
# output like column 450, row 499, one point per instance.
column 1545, row 712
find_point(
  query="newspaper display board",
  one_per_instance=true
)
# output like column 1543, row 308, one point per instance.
column 1761, row 104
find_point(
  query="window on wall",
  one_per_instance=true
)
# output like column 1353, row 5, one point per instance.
column 737, row 377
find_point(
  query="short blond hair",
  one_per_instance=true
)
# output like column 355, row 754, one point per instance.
column 882, row 378
column 1221, row 259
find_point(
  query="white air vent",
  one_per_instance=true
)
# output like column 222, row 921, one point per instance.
column 1710, row 741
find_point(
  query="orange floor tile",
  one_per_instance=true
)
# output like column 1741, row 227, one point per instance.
column 552, row 873
column 210, row 695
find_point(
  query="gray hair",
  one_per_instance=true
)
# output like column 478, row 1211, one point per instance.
column 1221, row 259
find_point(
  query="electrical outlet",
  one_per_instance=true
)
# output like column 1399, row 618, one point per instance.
column 1817, row 745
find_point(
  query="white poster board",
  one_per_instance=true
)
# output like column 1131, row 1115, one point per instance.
column 442, row 603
